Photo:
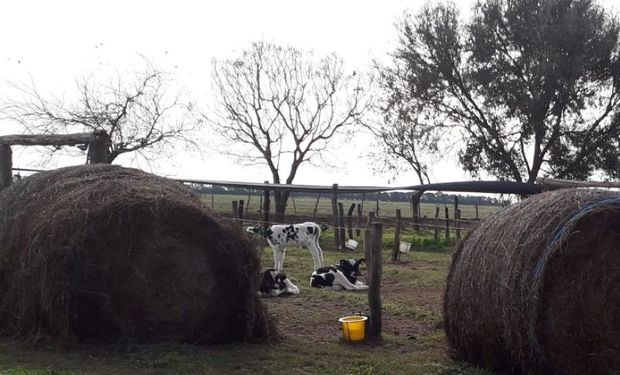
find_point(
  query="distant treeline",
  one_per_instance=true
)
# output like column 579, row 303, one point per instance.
column 394, row 196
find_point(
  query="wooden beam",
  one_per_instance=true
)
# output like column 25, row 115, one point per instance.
column 554, row 183
column 46, row 139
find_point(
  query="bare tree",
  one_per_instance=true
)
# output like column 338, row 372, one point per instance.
column 138, row 112
column 404, row 147
column 280, row 107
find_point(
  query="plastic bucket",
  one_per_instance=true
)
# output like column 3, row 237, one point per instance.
column 405, row 247
column 351, row 244
column 354, row 327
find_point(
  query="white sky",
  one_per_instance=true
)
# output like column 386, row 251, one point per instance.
column 53, row 42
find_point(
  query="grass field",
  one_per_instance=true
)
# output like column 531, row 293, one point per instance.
column 305, row 206
column 413, row 338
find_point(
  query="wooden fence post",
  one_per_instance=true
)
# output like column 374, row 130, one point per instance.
column 235, row 213
column 371, row 219
column 6, row 166
column 342, row 231
column 447, row 223
column 377, row 210
column 350, row 220
column 266, row 205
column 456, row 204
column 458, row 224
column 477, row 217
column 240, row 215
column 374, row 280
column 367, row 248
column 396, row 250
column 436, row 223
column 358, row 231
column 316, row 205
column 335, row 215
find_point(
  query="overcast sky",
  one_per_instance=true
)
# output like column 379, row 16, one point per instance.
column 51, row 43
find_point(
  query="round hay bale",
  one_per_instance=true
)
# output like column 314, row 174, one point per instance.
column 105, row 253
column 536, row 287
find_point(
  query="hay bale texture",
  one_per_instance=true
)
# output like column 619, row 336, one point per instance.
column 536, row 288
column 101, row 252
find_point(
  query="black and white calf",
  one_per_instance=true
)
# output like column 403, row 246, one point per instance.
column 342, row 276
column 280, row 236
column 274, row 284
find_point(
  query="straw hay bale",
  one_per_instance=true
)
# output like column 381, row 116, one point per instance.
column 536, row 288
column 101, row 252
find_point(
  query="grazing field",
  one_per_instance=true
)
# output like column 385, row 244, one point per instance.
column 305, row 206
column 413, row 337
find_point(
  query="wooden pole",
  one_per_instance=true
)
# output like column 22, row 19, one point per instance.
column 247, row 207
column 367, row 248
column 235, row 213
column 377, row 211
column 240, row 214
column 396, row 250
column 350, row 220
column 212, row 199
column 316, row 205
column 294, row 206
column 363, row 198
column 335, row 216
column 374, row 283
column 477, row 217
column 341, row 231
column 458, row 224
column 554, row 183
column 447, row 223
column 49, row 139
column 436, row 223
column 371, row 219
column 456, row 206
column 266, row 204
column 358, row 231
column 6, row 166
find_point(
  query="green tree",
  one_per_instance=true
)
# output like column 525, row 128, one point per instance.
column 530, row 86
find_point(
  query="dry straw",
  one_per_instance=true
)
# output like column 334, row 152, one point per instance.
column 106, row 253
column 536, row 288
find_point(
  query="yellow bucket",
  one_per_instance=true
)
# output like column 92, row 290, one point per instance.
column 354, row 327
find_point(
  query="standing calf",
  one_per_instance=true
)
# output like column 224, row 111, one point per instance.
column 280, row 236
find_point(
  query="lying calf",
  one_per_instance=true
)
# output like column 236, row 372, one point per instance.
column 273, row 284
column 342, row 276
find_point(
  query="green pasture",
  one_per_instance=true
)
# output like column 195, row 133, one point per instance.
column 306, row 205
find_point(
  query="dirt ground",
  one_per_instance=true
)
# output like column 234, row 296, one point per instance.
column 311, row 338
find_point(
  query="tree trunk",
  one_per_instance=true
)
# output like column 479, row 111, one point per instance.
column 280, row 198
column 98, row 148
column 415, row 204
